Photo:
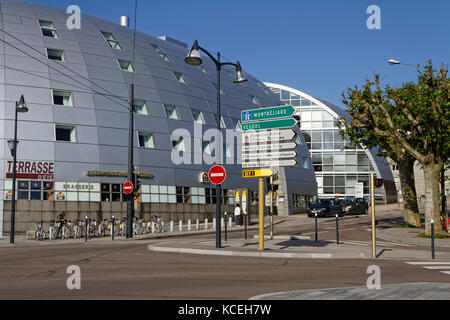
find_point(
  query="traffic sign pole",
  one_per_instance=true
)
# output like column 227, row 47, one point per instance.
column 261, row 214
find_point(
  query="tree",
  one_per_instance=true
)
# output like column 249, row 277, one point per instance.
column 364, row 127
column 414, row 120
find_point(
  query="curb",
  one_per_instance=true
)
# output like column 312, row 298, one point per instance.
column 201, row 232
column 257, row 254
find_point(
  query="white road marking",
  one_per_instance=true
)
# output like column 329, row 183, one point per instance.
column 432, row 265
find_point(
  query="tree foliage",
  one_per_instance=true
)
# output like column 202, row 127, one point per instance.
column 412, row 121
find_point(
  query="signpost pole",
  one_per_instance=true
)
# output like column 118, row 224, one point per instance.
column 261, row 214
column 271, row 206
column 372, row 204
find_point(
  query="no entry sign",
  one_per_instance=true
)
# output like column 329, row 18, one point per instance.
column 128, row 187
column 217, row 174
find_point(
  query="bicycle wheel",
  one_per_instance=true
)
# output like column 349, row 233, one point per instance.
column 38, row 235
column 158, row 227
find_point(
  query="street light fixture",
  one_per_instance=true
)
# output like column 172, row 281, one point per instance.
column 194, row 58
column 21, row 107
column 394, row 62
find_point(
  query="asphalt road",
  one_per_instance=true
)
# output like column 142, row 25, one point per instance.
column 127, row 270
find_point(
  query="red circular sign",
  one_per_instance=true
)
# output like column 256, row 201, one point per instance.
column 217, row 174
column 128, row 187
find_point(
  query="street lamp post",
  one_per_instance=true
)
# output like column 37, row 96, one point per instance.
column 194, row 58
column 21, row 107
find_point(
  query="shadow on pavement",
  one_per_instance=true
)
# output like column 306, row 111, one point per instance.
column 304, row 243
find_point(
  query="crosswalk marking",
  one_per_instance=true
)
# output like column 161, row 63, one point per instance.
column 381, row 243
column 428, row 262
column 432, row 265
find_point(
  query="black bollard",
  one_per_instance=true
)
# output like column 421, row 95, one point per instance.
column 226, row 222
column 245, row 226
column 86, row 229
column 315, row 218
column 432, row 239
column 112, row 227
column 337, row 228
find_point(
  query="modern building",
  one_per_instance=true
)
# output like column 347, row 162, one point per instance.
column 73, row 142
column 338, row 166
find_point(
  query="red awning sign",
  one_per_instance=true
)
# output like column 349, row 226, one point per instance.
column 217, row 174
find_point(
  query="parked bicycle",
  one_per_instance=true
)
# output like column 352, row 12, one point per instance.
column 39, row 234
column 53, row 230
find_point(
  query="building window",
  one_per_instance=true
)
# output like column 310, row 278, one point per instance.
column 395, row 167
column 62, row 98
column 55, row 54
column 140, row 107
column 215, row 87
column 125, row 65
column 236, row 124
column 254, row 100
column 203, row 69
column 198, row 116
column 112, row 41
column 146, row 140
column 161, row 53
column 222, row 122
column 111, row 192
column 48, row 29
column 171, row 112
column 206, row 147
column 179, row 76
column 178, row 143
column 65, row 133
column 305, row 163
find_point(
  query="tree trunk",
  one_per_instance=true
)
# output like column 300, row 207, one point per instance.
column 407, row 182
column 432, row 202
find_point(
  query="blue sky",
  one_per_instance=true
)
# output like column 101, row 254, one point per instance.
column 320, row 47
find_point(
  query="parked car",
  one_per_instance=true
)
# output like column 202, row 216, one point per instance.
column 355, row 206
column 325, row 208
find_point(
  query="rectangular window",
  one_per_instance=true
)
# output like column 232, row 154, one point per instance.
column 48, row 29
column 171, row 112
column 112, row 41
column 198, row 116
column 179, row 76
column 55, row 54
column 236, row 124
column 140, row 107
column 125, row 65
column 254, row 100
column 62, row 98
column 65, row 133
column 146, row 140
column 222, row 122
column 206, row 147
column 161, row 53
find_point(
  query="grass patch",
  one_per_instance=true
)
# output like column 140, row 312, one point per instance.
column 436, row 236
column 405, row 225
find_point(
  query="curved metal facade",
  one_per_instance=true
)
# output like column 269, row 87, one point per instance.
column 92, row 64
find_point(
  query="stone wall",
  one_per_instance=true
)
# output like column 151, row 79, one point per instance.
column 30, row 212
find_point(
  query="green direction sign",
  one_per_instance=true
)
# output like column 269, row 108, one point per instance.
column 267, row 113
column 274, row 124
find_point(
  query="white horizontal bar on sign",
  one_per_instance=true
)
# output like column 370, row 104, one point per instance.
column 269, row 163
column 219, row 174
column 269, row 147
column 264, row 136
column 269, row 155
